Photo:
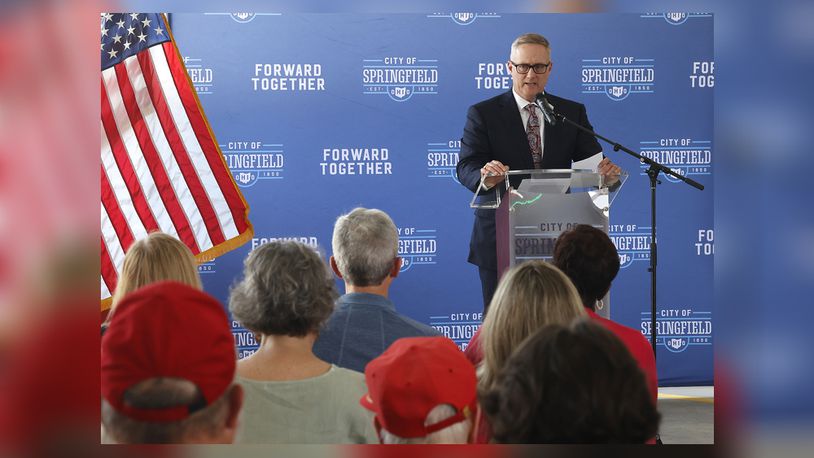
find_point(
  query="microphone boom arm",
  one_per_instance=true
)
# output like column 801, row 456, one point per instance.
column 653, row 172
column 617, row 147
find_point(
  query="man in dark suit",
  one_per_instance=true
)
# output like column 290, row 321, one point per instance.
column 506, row 132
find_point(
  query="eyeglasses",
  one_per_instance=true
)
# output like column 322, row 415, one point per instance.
column 538, row 68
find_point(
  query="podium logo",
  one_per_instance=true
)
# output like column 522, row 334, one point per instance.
column 253, row 161
column 442, row 158
column 632, row 243
column 400, row 77
column 464, row 18
column 678, row 329
column 202, row 77
column 458, row 327
column 685, row 156
column 618, row 76
column 416, row 247
column 675, row 18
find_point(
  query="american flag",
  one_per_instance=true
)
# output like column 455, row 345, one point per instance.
column 162, row 169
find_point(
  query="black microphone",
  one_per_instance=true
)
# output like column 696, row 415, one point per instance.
column 548, row 109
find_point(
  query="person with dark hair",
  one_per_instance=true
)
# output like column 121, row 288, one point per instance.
column 575, row 384
column 589, row 258
column 168, row 368
column 292, row 396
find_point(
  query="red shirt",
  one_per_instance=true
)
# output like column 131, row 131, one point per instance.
column 638, row 347
column 473, row 352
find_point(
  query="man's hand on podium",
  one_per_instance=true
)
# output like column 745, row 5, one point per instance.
column 609, row 171
column 494, row 171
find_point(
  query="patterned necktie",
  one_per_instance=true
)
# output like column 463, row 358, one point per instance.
column 533, row 135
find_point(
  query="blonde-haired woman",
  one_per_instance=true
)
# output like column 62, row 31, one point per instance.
column 157, row 257
column 529, row 296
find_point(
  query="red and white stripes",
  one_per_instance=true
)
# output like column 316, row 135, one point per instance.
column 161, row 166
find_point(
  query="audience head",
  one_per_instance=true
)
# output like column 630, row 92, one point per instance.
column 422, row 391
column 157, row 257
column 528, row 297
column 167, row 369
column 571, row 384
column 365, row 247
column 286, row 290
column 589, row 258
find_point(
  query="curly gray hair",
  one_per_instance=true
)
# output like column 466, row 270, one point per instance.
column 287, row 289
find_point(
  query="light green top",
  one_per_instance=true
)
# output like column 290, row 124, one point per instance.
column 319, row 410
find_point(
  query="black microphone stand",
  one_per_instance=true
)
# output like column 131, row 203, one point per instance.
column 653, row 172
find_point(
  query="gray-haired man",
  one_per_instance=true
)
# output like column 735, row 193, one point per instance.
column 365, row 322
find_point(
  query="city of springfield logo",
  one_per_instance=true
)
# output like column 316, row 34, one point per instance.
column 442, row 157
column 679, row 328
column 400, row 77
column 203, row 78
column 458, row 327
column 464, row 18
column 416, row 247
column 632, row 242
column 675, row 18
column 251, row 161
column 685, row 156
column 618, row 76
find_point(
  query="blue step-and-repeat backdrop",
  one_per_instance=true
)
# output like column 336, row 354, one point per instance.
column 314, row 120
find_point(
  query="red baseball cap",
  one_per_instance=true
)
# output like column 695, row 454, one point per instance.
column 167, row 329
column 412, row 377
